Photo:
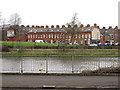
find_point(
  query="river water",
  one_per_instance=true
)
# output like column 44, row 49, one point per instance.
column 55, row 64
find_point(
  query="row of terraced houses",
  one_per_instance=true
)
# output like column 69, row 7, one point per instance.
column 83, row 35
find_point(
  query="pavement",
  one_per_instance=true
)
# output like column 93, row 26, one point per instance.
column 59, row 81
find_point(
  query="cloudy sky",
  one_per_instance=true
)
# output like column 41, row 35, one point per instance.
column 60, row 12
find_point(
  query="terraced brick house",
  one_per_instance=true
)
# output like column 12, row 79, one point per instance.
column 16, row 33
column 84, row 36
column 110, row 35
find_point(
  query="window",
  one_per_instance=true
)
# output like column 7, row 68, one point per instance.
column 57, row 35
column 33, row 36
column 36, row 36
column 88, row 41
column 79, row 36
column 39, row 36
column 112, row 37
column 75, row 35
column 43, row 36
column 85, row 35
column 81, row 41
column 49, row 35
column 82, row 35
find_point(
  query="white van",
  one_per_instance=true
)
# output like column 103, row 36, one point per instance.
column 41, row 41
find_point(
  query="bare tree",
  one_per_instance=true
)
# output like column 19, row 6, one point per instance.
column 73, row 29
column 15, row 19
column 2, row 28
column 0, row 18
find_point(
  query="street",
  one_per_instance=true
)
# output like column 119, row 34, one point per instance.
column 59, row 81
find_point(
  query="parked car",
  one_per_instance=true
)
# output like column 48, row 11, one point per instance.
column 76, row 44
column 107, row 44
column 100, row 44
column 93, row 44
column 117, row 44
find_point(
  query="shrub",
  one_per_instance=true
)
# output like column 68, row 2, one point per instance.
column 5, row 48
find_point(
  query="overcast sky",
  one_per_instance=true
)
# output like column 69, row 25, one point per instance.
column 60, row 12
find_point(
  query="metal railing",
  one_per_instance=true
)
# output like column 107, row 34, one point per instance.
column 60, row 64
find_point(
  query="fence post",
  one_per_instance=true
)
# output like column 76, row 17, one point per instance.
column 99, row 71
column 21, row 65
column 72, row 64
column 46, row 65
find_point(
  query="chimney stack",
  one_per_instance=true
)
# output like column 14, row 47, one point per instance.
column 27, row 26
column 57, row 26
column 69, row 26
column 104, row 27
column 36, row 27
column 88, row 25
column 47, row 26
column 81, row 25
column 17, row 25
column 63, row 26
column 95, row 25
column 52, row 26
column 98, row 27
column 116, row 27
column 42, row 26
column 33, row 26
column 22, row 26
column 75, row 25
column 110, row 27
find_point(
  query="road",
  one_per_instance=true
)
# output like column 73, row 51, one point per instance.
column 58, row 81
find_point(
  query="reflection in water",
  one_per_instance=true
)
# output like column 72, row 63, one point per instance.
column 56, row 64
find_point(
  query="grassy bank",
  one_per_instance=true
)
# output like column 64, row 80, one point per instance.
column 55, row 49
column 63, row 52
column 10, row 43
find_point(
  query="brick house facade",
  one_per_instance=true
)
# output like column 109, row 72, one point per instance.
column 60, row 35
column 85, row 35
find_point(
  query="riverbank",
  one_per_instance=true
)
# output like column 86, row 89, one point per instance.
column 62, row 52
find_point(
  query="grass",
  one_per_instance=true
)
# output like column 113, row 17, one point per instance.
column 63, row 52
column 10, row 43
column 14, row 43
column 54, row 51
